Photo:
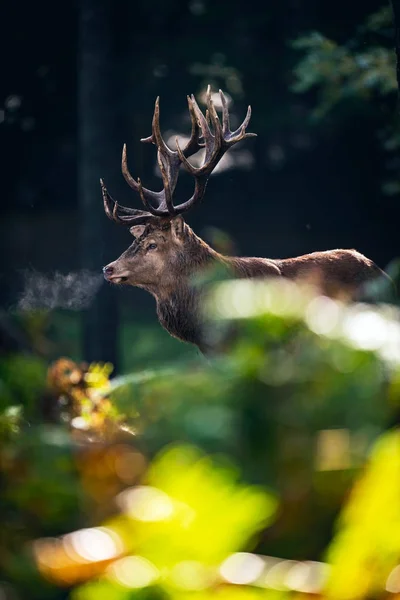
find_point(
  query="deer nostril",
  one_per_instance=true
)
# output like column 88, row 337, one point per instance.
column 108, row 270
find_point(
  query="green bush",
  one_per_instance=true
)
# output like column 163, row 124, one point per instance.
column 253, row 451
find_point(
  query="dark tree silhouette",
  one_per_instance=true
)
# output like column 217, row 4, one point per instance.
column 96, row 129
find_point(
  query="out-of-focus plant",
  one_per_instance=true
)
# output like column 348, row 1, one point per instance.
column 174, row 531
column 365, row 553
column 22, row 381
column 296, row 404
column 10, row 420
column 351, row 70
column 81, row 391
column 50, row 446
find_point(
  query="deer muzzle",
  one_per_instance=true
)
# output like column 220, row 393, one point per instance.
column 112, row 274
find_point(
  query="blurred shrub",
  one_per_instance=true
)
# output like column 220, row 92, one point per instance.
column 22, row 381
column 365, row 552
column 359, row 68
column 297, row 408
column 357, row 72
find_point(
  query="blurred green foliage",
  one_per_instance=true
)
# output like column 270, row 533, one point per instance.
column 169, row 523
column 356, row 72
column 22, row 380
column 360, row 68
column 162, row 483
column 367, row 546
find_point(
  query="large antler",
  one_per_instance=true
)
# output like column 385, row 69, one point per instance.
column 216, row 142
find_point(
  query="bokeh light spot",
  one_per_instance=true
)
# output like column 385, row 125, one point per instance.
column 242, row 568
column 146, row 503
column 393, row 581
column 134, row 572
column 322, row 315
column 80, row 423
column 307, row 577
column 276, row 575
column 367, row 330
column 95, row 544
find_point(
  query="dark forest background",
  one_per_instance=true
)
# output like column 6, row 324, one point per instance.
column 80, row 79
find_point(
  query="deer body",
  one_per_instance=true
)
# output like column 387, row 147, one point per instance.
column 166, row 255
column 170, row 277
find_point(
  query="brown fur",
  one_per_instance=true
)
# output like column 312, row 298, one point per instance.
column 335, row 272
column 168, row 270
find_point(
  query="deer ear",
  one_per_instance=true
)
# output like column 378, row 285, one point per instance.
column 137, row 230
column 177, row 227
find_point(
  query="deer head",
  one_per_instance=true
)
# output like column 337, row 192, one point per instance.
column 164, row 246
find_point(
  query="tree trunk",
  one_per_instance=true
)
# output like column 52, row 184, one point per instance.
column 96, row 130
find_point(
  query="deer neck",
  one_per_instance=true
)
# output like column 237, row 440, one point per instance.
column 179, row 300
column 179, row 313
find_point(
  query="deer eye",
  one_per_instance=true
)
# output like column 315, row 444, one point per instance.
column 151, row 246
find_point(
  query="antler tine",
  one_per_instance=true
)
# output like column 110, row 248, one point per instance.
column 188, row 166
column 156, row 137
column 193, row 144
column 213, row 143
column 225, row 113
column 112, row 208
column 213, row 114
column 216, row 145
column 125, row 171
column 217, row 138
column 169, row 163
column 169, row 180
column 241, row 130
column 108, row 202
column 199, row 190
column 205, row 129
column 169, row 166
column 159, row 141
column 157, row 212
column 150, row 196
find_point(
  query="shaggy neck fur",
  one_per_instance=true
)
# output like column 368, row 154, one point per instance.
column 178, row 300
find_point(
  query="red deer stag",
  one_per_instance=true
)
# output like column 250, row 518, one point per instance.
column 166, row 253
